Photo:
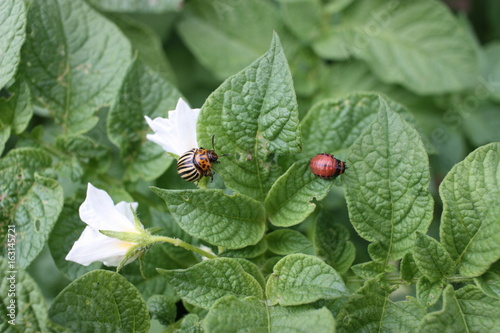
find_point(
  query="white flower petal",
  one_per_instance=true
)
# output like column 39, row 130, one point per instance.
column 93, row 246
column 125, row 208
column 99, row 212
column 177, row 133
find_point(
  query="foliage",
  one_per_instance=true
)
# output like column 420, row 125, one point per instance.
column 406, row 93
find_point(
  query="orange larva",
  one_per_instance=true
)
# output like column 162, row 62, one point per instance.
column 326, row 166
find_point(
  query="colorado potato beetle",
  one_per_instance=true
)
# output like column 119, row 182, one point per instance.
column 197, row 163
column 326, row 166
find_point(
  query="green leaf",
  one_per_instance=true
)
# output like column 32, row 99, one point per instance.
column 333, row 125
column 253, row 114
column 418, row 44
column 302, row 17
column 30, row 200
column 204, row 283
column 466, row 310
column 301, row 279
column 428, row 292
column 147, row 43
column 432, row 259
column 143, row 92
column 12, row 30
column 470, row 222
column 241, row 31
column 23, row 305
column 74, row 63
column 491, row 70
column 331, row 243
column 249, row 252
column 288, row 241
column 232, row 221
column 370, row 311
column 253, row 270
column 16, row 111
column 137, row 6
column 101, row 301
column 162, row 308
column 231, row 314
column 370, row 270
column 82, row 154
column 387, row 185
column 408, row 268
column 489, row 282
column 289, row 201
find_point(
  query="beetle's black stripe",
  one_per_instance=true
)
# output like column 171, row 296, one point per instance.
column 186, row 167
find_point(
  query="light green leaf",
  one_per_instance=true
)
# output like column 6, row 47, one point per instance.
column 387, row 185
column 301, row 279
column 288, row 241
column 23, row 304
column 232, row 221
column 147, row 43
column 12, row 30
column 101, row 301
column 15, row 111
column 81, row 155
column 137, row 6
column 73, row 63
column 241, row 30
column 289, row 201
column 204, row 283
column 162, row 308
column 331, row 243
column 489, row 282
column 470, row 222
column 408, row 267
column 333, row 125
column 31, row 200
column 253, row 115
column 231, row 314
column 370, row 311
column 418, row 44
column 428, row 292
column 432, row 259
column 249, row 252
column 302, row 17
column 466, row 310
column 371, row 269
column 491, row 70
column 253, row 270
column 143, row 92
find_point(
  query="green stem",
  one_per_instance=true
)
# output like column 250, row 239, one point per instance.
column 178, row 242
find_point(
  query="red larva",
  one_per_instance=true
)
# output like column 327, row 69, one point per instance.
column 326, row 166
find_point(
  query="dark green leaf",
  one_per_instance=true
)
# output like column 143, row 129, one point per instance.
column 233, row 221
column 204, row 283
column 287, row 241
column 101, row 301
column 253, row 114
column 73, row 63
column 12, row 30
column 143, row 92
column 31, row 200
column 470, row 222
column 231, row 314
column 301, row 279
column 387, row 185
column 289, row 201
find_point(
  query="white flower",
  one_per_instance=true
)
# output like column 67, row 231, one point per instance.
column 177, row 134
column 99, row 212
